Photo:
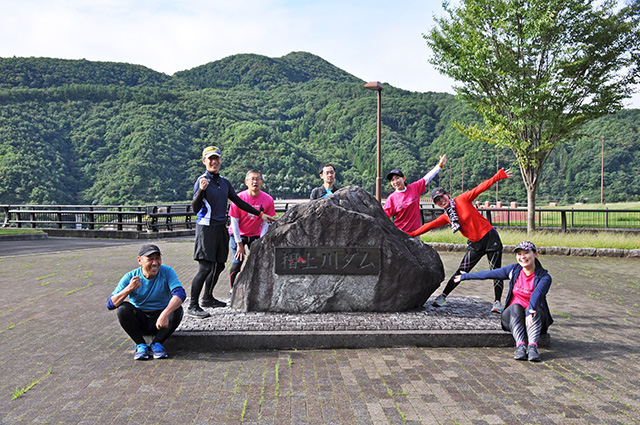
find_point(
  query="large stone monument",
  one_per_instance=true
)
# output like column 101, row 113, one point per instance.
column 340, row 253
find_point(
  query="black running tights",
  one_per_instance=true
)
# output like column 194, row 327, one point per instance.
column 469, row 261
column 207, row 276
column 137, row 323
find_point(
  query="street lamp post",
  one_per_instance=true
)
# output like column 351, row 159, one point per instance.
column 462, row 174
column 497, row 169
column 602, row 173
column 377, row 86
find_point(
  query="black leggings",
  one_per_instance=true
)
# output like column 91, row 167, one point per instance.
column 490, row 245
column 207, row 275
column 513, row 319
column 137, row 323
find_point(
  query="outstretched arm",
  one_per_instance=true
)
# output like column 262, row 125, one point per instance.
column 500, row 175
column 433, row 224
column 431, row 174
column 501, row 273
column 244, row 206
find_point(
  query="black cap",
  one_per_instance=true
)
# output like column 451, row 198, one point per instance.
column 438, row 191
column 148, row 249
column 394, row 172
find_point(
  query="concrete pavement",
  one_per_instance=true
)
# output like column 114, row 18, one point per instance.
column 56, row 334
column 37, row 244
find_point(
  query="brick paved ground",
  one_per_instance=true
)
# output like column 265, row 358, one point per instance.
column 55, row 332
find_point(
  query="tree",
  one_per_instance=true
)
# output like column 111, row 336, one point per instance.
column 537, row 70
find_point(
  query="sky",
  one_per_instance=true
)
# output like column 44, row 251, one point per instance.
column 374, row 40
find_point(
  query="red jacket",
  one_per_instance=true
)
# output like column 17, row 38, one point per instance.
column 472, row 224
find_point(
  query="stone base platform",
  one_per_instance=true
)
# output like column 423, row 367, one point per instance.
column 462, row 322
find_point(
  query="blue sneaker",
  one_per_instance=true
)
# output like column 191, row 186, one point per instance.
column 440, row 301
column 142, row 352
column 158, row 351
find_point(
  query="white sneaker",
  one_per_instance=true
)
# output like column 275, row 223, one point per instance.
column 497, row 307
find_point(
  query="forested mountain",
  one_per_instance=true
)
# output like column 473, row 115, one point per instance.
column 261, row 72
column 40, row 73
column 81, row 132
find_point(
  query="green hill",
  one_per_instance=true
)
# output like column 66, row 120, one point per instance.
column 261, row 72
column 81, row 132
column 39, row 73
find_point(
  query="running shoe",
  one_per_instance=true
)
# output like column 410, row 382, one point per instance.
column 521, row 352
column 196, row 311
column 497, row 307
column 142, row 352
column 158, row 351
column 440, row 301
column 534, row 356
column 212, row 302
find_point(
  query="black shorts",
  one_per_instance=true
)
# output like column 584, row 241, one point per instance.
column 489, row 243
column 212, row 243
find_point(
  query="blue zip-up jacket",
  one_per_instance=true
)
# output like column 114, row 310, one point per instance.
column 541, row 285
column 211, row 204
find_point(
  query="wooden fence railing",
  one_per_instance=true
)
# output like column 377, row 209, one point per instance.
column 157, row 218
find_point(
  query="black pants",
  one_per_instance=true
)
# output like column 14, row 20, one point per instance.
column 137, row 323
column 491, row 245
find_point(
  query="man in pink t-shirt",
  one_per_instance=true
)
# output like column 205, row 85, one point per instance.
column 404, row 202
column 246, row 228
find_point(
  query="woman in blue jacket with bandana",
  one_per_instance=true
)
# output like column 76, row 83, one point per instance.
column 527, row 314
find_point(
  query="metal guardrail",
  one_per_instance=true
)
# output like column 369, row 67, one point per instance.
column 138, row 218
column 157, row 218
column 91, row 217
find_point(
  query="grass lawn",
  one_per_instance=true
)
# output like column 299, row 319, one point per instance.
column 15, row 231
column 614, row 206
column 545, row 238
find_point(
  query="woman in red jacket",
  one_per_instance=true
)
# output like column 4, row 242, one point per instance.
column 482, row 237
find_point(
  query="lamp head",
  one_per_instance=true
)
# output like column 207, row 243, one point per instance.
column 374, row 85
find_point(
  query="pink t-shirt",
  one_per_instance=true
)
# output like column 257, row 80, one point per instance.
column 405, row 206
column 522, row 289
column 250, row 225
